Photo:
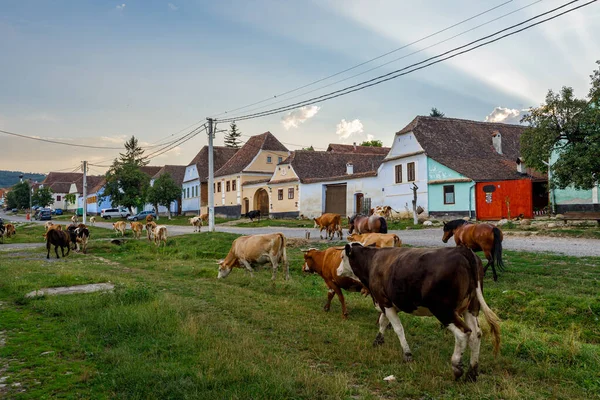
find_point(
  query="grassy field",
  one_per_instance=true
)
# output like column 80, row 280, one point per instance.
column 171, row 330
column 31, row 233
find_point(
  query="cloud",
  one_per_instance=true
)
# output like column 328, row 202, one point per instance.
column 173, row 7
column 121, row 7
column 506, row 115
column 346, row 129
column 298, row 116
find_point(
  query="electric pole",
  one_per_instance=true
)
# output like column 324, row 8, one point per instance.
column 211, row 179
column 84, row 192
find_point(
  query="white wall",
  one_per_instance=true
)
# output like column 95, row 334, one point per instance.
column 400, row 195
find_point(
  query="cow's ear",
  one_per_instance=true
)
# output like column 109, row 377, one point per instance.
column 348, row 249
column 444, row 223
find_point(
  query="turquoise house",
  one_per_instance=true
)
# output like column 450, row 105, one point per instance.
column 571, row 199
column 449, row 192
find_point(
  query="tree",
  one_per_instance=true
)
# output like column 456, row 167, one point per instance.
column 570, row 127
column 42, row 197
column 436, row 113
column 231, row 138
column 372, row 143
column 163, row 192
column 134, row 154
column 309, row 148
column 70, row 199
column 18, row 197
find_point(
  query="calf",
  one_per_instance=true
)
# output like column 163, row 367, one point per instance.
column 82, row 234
column 57, row 238
column 150, row 229
column 256, row 249
column 376, row 239
column 136, row 228
column 331, row 223
column 120, row 226
column 253, row 214
column 326, row 263
column 196, row 222
column 160, row 235
column 92, row 221
column 74, row 219
column 10, row 230
column 445, row 283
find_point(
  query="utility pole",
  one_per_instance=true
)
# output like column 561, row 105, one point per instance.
column 84, row 192
column 211, row 179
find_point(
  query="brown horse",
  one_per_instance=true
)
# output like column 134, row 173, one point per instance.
column 363, row 224
column 478, row 237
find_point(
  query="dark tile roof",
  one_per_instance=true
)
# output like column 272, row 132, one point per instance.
column 246, row 154
column 61, row 177
column 221, row 155
column 177, row 172
column 466, row 147
column 97, row 186
column 150, row 170
column 317, row 166
column 60, row 187
column 350, row 148
column 92, row 182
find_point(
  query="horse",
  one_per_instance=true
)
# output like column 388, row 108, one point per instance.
column 478, row 237
column 363, row 224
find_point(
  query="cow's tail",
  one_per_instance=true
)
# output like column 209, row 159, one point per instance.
column 284, row 255
column 383, row 227
column 497, row 249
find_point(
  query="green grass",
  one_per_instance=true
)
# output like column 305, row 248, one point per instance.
column 171, row 330
column 34, row 233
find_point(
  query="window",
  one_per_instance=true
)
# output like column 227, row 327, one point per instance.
column 188, row 193
column 399, row 173
column 229, row 186
column 290, row 193
column 410, row 171
column 269, row 160
column 280, row 194
column 58, row 198
column 279, row 159
column 197, row 191
column 183, row 193
column 234, row 185
column 214, row 187
column 219, row 187
column 449, row 194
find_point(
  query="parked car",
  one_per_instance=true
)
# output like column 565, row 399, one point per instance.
column 141, row 216
column 43, row 215
column 58, row 211
column 14, row 210
column 108, row 213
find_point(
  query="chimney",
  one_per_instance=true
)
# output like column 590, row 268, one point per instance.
column 349, row 168
column 497, row 141
column 521, row 166
column 354, row 146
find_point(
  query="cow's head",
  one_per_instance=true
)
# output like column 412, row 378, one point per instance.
column 353, row 237
column 316, row 220
column 224, row 269
column 351, row 224
column 309, row 261
column 345, row 269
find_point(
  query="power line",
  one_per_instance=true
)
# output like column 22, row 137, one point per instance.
column 184, row 139
column 368, row 61
column 59, row 142
column 397, row 73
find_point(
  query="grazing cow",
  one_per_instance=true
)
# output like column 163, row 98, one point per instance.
column 331, row 223
column 137, row 228
column 120, row 226
column 256, row 249
column 326, row 263
column 196, row 222
column 253, row 214
column 160, row 235
column 10, row 230
column 382, row 211
column 204, row 218
column 57, row 238
column 150, row 229
column 82, row 236
column 376, row 239
column 149, row 218
column 92, row 221
column 74, row 219
column 443, row 282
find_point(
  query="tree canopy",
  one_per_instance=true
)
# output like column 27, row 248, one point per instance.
column 436, row 113
column 134, row 154
column 372, row 143
column 570, row 127
column 163, row 192
column 42, row 197
column 18, row 197
column 232, row 136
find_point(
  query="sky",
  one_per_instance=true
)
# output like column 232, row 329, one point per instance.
column 96, row 72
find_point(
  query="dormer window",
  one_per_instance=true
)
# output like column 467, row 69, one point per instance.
column 279, row 159
column 269, row 160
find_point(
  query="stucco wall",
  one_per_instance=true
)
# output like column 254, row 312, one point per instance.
column 284, row 172
column 190, row 203
column 400, row 195
column 284, row 205
column 260, row 161
column 462, row 190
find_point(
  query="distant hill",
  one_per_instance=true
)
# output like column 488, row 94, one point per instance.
column 9, row 178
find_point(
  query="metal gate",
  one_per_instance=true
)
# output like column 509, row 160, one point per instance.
column 335, row 199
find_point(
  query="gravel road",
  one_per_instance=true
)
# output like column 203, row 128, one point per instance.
column 421, row 237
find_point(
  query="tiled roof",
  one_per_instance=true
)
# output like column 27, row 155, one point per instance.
column 92, row 181
column 246, row 154
column 466, row 147
column 61, row 177
column 177, row 172
column 350, row 148
column 60, row 187
column 221, row 155
column 150, row 170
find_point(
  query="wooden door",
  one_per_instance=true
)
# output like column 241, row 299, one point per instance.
column 335, row 199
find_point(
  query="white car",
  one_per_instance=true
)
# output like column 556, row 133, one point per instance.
column 108, row 213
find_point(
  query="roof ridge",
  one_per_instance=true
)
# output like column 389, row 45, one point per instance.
column 466, row 120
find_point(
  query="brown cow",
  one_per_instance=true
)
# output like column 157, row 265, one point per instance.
column 120, row 226
column 331, row 223
column 256, row 249
column 443, row 282
column 204, row 218
column 10, row 230
column 136, row 228
column 160, row 235
column 57, row 238
column 149, row 218
column 376, row 239
column 326, row 263
column 150, row 229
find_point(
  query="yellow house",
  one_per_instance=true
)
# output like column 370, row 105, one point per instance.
column 240, row 184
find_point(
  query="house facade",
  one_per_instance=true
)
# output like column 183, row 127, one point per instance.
column 177, row 173
column 61, row 184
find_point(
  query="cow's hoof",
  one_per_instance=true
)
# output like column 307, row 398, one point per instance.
column 457, row 370
column 379, row 340
column 408, row 357
column 472, row 373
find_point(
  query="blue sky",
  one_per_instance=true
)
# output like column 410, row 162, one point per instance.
column 96, row 72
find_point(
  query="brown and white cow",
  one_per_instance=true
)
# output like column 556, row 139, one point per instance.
column 82, row 236
column 10, row 230
column 149, row 218
column 204, row 218
column 376, row 239
column 160, row 235
column 445, row 283
column 326, row 263
column 196, row 222
column 74, row 219
column 256, row 249
column 150, row 229
column 136, row 228
column 92, row 221
column 120, row 226
column 382, row 211
column 331, row 223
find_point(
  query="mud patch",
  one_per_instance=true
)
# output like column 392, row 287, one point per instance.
column 91, row 288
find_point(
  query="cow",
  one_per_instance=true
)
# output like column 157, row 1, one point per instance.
column 120, row 226
column 82, row 234
column 331, row 223
column 72, row 235
column 10, row 230
column 150, row 229
column 325, row 263
column 136, row 228
column 74, row 219
column 376, row 239
column 382, row 211
column 49, row 226
column 253, row 214
column 196, row 222
column 160, row 235
column 256, row 249
column 446, row 283
column 149, row 218
column 204, row 218
column 2, row 230
column 58, row 238
column 92, row 221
